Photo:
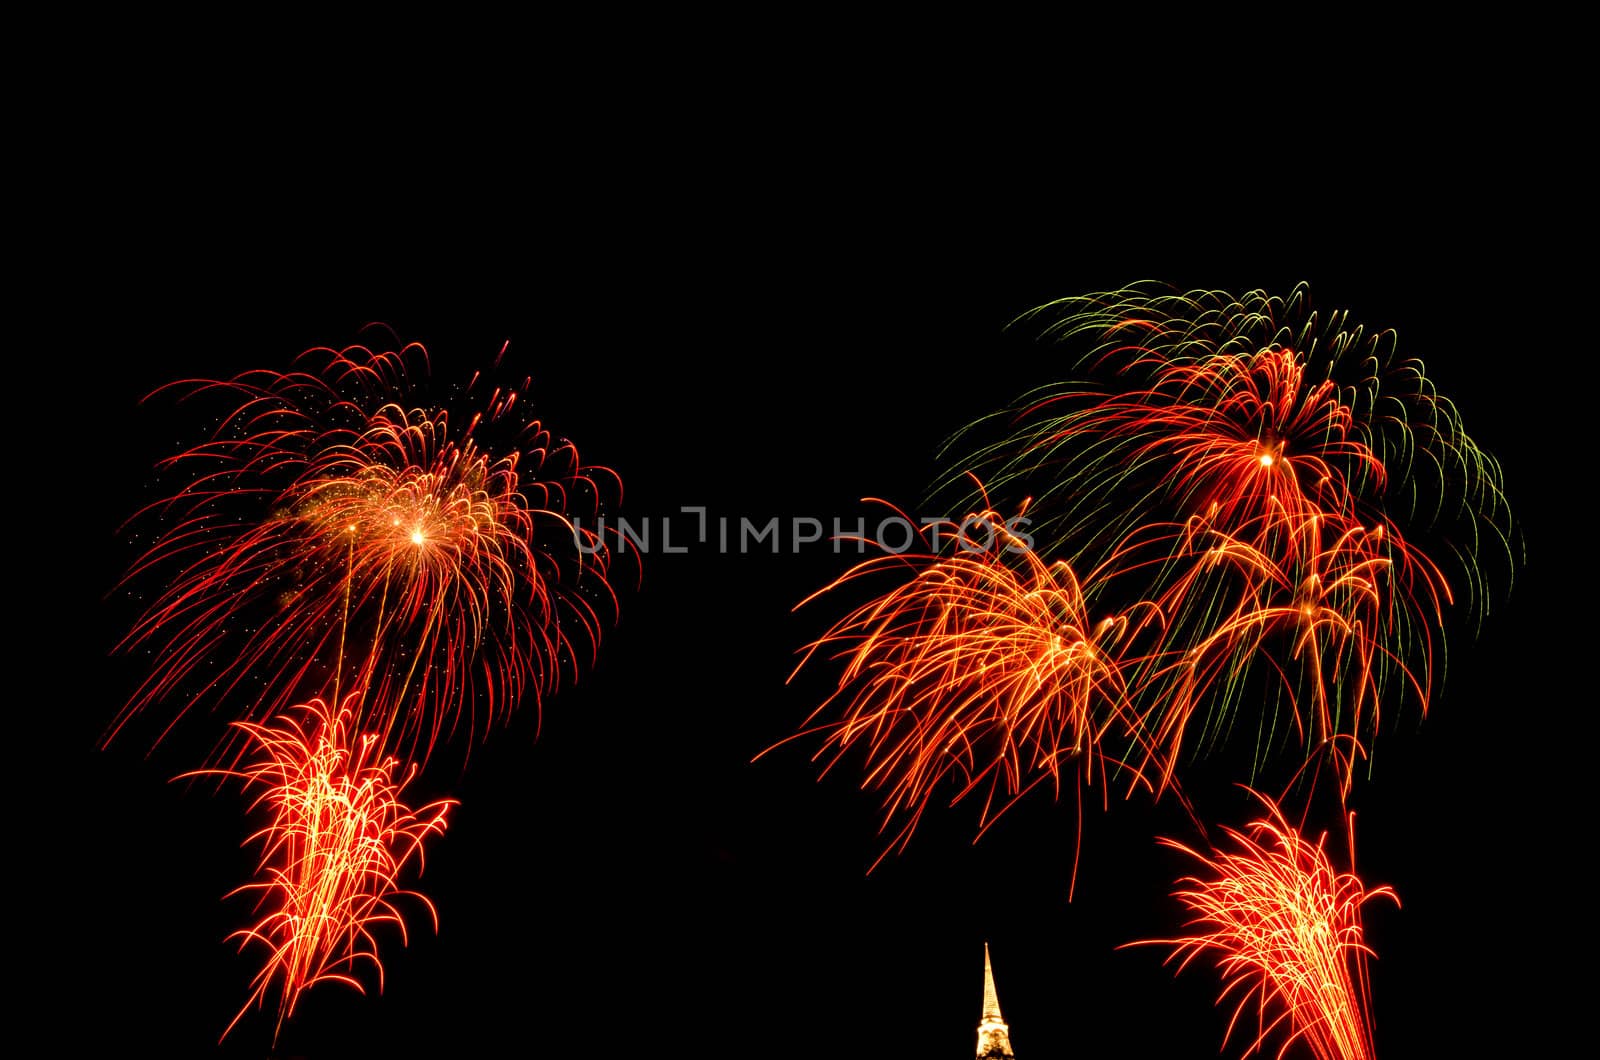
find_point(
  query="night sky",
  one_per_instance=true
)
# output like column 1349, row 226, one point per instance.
column 630, row 878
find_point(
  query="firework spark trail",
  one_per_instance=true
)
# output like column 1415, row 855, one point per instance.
column 985, row 669
column 1286, row 931
column 327, row 537
column 332, row 853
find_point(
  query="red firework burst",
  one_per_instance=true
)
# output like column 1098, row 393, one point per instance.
column 329, row 538
column 1248, row 441
column 1285, row 928
column 332, row 853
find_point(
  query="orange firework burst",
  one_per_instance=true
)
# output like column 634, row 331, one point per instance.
column 1286, row 930
column 986, row 668
column 328, row 538
column 332, row 853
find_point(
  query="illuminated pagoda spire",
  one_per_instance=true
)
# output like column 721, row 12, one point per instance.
column 994, row 1037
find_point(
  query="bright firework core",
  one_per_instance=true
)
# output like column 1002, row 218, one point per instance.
column 417, row 506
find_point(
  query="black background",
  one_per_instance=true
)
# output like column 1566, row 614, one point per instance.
column 630, row 878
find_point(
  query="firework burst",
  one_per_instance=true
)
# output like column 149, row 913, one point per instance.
column 337, row 841
column 1290, row 463
column 328, row 537
column 1286, row 931
column 983, row 674
column 1247, row 405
